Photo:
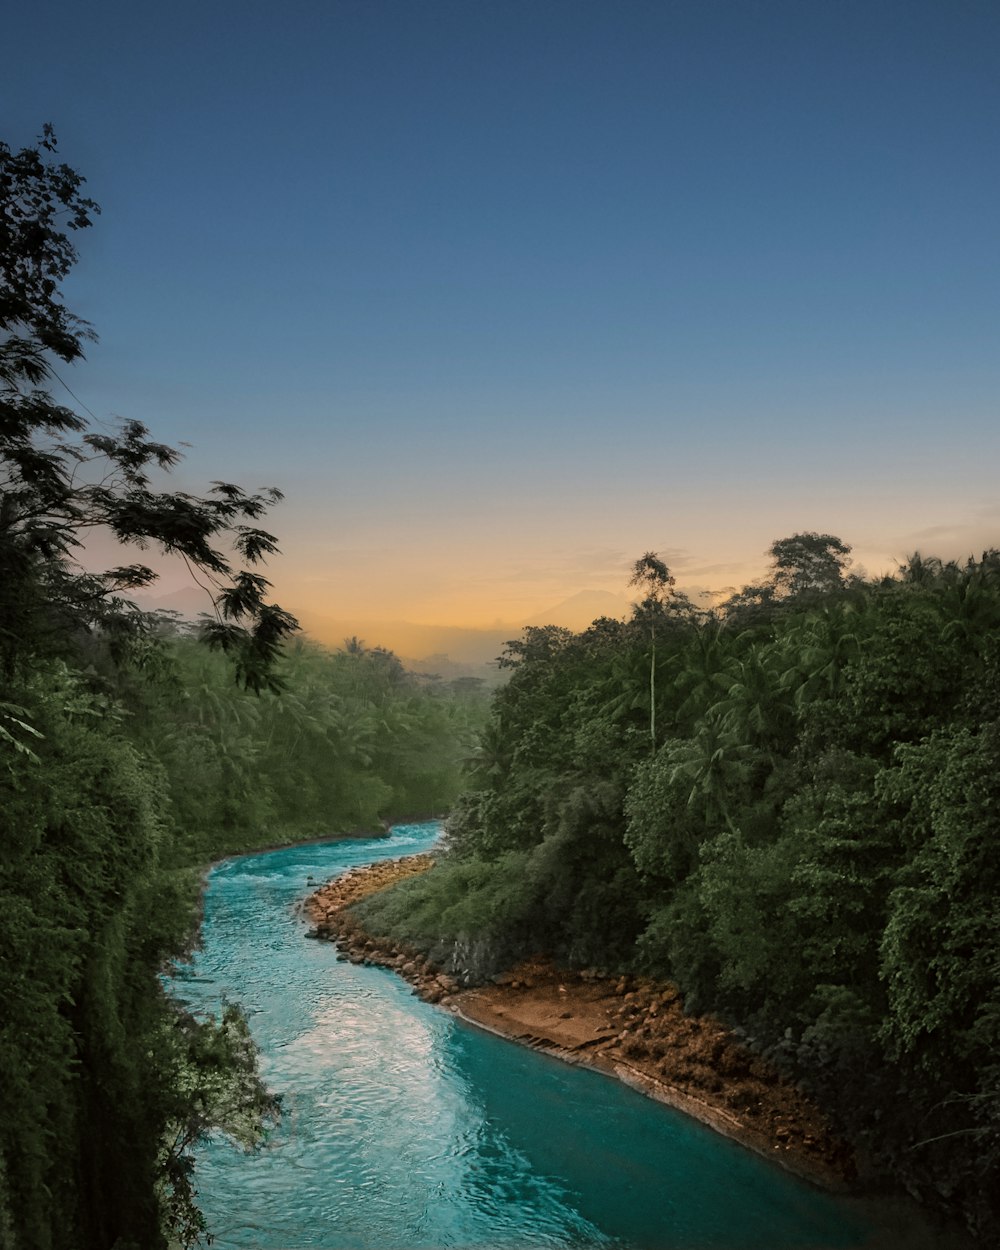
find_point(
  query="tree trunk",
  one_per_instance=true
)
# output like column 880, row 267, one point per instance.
column 652, row 692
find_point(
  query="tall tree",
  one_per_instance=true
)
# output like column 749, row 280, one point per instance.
column 654, row 580
column 60, row 479
column 808, row 564
column 87, row 914
column 805, row 568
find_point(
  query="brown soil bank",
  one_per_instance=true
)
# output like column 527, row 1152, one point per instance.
column 632, row 1028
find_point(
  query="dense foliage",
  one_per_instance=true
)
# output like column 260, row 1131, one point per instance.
column 129, row 757
column 351, row 740
column 137, row 777
column 808, row 849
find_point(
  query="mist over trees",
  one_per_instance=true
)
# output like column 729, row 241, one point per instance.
column 810, row 851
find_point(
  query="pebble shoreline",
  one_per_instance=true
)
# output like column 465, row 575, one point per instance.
column 632, row 1028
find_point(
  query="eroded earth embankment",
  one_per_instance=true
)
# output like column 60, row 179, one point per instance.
column 630, row 1027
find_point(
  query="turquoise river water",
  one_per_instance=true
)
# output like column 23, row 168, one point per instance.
column 406, row 1129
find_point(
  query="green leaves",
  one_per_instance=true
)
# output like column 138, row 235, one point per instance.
column 212, row 1073
column 53, row 492
column 39, row 200
column 810, row 851
column 85, row 915
column 16, row 730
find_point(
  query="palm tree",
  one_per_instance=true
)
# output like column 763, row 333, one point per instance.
column 755, row 710
column 702, row 675
column 715, row 768
column 653, row 577
column 818, row 648
column 490, row 760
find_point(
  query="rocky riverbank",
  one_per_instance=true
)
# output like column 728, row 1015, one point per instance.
column 632, row 1028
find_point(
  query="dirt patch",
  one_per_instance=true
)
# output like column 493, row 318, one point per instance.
column 632, row 1028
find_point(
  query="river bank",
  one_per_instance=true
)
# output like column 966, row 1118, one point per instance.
column 631, row 1028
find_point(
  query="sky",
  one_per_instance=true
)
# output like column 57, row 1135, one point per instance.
column 503, row 295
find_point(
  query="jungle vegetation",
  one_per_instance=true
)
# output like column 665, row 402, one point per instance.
column 134, row 750
column 790, row 807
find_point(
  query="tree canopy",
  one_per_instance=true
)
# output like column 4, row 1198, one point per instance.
column 809, row 852
column 94, row 1062
column 63, row 478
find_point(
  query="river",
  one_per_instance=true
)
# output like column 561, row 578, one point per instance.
column 406, row 1129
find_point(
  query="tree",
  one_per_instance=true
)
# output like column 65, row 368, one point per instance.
column 87, row 911
column 35, row 254
column 654, row 580
column 808, row 564
column 804, row 567
column 213, row 1070
column 60, row 479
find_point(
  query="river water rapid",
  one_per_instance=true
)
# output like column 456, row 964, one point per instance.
column 406, row 1129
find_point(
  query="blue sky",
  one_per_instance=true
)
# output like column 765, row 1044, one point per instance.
column 504, row 294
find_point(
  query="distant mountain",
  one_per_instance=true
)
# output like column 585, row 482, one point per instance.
column 581, row 609
column 447, row 650
column 441, row 665
column 435, row 646
column 426, row 646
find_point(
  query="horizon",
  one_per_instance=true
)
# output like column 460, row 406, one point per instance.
column 503, row 297
column 470, row 647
